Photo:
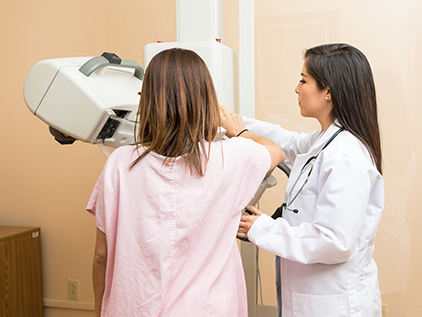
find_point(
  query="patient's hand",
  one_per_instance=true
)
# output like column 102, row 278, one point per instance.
column 230, row 121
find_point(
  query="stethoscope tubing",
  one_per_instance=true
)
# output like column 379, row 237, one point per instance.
column 287, row 203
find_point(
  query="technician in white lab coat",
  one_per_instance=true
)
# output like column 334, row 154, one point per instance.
column 335, row 194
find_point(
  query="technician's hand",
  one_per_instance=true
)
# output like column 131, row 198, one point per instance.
column 230, row 121
column 247, row 221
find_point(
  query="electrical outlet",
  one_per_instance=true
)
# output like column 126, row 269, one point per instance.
column 73, row 289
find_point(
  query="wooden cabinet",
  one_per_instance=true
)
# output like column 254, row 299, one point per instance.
column 20, row 272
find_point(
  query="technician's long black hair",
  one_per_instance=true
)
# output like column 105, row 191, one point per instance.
column 347, row 73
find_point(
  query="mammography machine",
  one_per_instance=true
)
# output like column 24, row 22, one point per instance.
column 89, row 99
column 95, row 99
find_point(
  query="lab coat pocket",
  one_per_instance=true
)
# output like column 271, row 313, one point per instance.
column 320, row 305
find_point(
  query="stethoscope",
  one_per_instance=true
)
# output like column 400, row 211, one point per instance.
column 308, row 165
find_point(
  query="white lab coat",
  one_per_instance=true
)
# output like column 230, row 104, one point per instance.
column 326, row 248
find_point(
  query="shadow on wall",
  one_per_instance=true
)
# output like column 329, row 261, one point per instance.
column 393, row 250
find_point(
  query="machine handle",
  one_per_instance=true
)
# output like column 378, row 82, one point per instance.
column 284, row 168
column 110, row 59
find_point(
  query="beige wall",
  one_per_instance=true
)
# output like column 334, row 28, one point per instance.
column 45, row 184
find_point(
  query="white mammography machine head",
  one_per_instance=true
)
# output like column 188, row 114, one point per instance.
column 95, row 99
column 91, row 99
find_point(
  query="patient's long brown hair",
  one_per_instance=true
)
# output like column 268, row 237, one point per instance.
column 178, row 110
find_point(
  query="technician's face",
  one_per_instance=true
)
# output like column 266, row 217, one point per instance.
column 313, row 102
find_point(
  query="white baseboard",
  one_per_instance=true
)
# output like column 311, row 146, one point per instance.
column 54, row 303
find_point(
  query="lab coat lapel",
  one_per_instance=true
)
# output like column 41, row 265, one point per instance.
column 319, row 144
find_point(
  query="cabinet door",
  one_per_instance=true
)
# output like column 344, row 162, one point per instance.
column 20, row 276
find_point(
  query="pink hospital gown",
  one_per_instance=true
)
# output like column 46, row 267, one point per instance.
column 171, row 235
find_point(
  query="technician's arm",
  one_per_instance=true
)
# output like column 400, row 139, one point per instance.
column 99, row 269
column 292, row 143
column 350, row 201
column 233, row 123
